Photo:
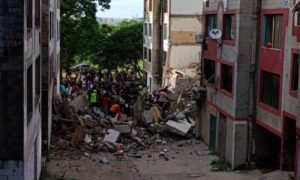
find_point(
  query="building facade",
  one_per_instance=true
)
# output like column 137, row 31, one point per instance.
column 227, row 68
column 278, row 80
column 21, row 89
column 50, row 65
column 170, row 37
column 252, row 76
column 152, row 43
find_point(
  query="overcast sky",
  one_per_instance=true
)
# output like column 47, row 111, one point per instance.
column 123, row 9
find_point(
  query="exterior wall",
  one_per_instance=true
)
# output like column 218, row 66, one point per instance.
column 51, row 68
column 183, row 49
column 182, row 56
column 238, row 54
column 183, row 21
column 11, row 67
column 153, row 42
column 193, row 7
column 20, row 124
column 32, row 126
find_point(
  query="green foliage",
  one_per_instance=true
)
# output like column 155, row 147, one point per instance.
column 79, row 30
column 221, row 165
column 123, row 46
column 110, row 47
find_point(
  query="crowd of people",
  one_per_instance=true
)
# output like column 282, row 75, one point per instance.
column 112, row 93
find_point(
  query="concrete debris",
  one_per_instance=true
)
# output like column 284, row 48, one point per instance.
column 87, row 139
column 148, row 116
column 87, row 154
column 125, row 128
column 87, row 117
column 104, row 160
column 153, row 120
column 180, row 127
column 111, row 136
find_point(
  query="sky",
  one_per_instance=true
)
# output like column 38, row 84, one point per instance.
column 123, row 9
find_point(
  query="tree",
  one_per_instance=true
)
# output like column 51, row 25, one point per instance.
column 79, row 29
column 123, row 46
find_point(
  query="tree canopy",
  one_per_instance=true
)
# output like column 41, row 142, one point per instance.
column 79, row 29
column 108, row 46
column 123, row 47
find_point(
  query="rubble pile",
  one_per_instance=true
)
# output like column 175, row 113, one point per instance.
column 158, row 119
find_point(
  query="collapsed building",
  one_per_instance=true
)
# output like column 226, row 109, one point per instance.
column 22, row 33
column 170, row 44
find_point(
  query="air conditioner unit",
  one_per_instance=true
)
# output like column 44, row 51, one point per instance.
column 199, row 38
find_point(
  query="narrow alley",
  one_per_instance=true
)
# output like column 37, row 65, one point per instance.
column 149, row 89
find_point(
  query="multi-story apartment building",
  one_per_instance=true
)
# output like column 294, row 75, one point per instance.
column 152, row 43
column 21, row 88
column 252, row 76
column 278, row 79
column 227, row 69
column 170, row 37
column 51, row 64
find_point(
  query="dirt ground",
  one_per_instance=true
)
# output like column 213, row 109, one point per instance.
column 184, row 160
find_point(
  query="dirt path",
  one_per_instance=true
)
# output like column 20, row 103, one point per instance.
column 185, row 160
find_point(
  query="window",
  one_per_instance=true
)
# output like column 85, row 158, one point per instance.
column 295, row 72
column 270, row 89
column 165, row 33
column 37, row 79
column 145, row 53
column 150, row 5
column 209, row 70
column 150, row 84
column 229, row 27
column 150, row 30
column 145, row 29
column 145, row 6
column 297, row 18
column 29, row 94
column 272, row 31
column 211, row 23
column 207, row 3
column 164, row 58
column 29, row 15
column 37, row 13
column 226, row 76
column 165, row 6
column 51, row 25
column 149, row 55
column 58, row 30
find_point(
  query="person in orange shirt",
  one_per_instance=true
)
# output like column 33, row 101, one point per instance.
column 115, row 108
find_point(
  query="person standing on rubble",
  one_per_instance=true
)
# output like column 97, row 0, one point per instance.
column 93, row 99
column 105, row 102
column 115, row 108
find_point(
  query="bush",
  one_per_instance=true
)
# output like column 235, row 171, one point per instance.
column 221, row 165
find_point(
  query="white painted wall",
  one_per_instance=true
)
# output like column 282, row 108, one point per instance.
column 186, row 24
column 188, row 7
column 183, row 56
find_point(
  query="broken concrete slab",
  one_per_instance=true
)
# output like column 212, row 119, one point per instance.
column 111, row 136
column 148, row 116
column 124, row 128
column 98, row 112
column 180, row 127
column 87, row 139
column 79, row 102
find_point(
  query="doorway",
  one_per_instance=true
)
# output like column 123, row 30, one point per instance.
column 213, row 133
column 222, row 135
column 288, row 145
